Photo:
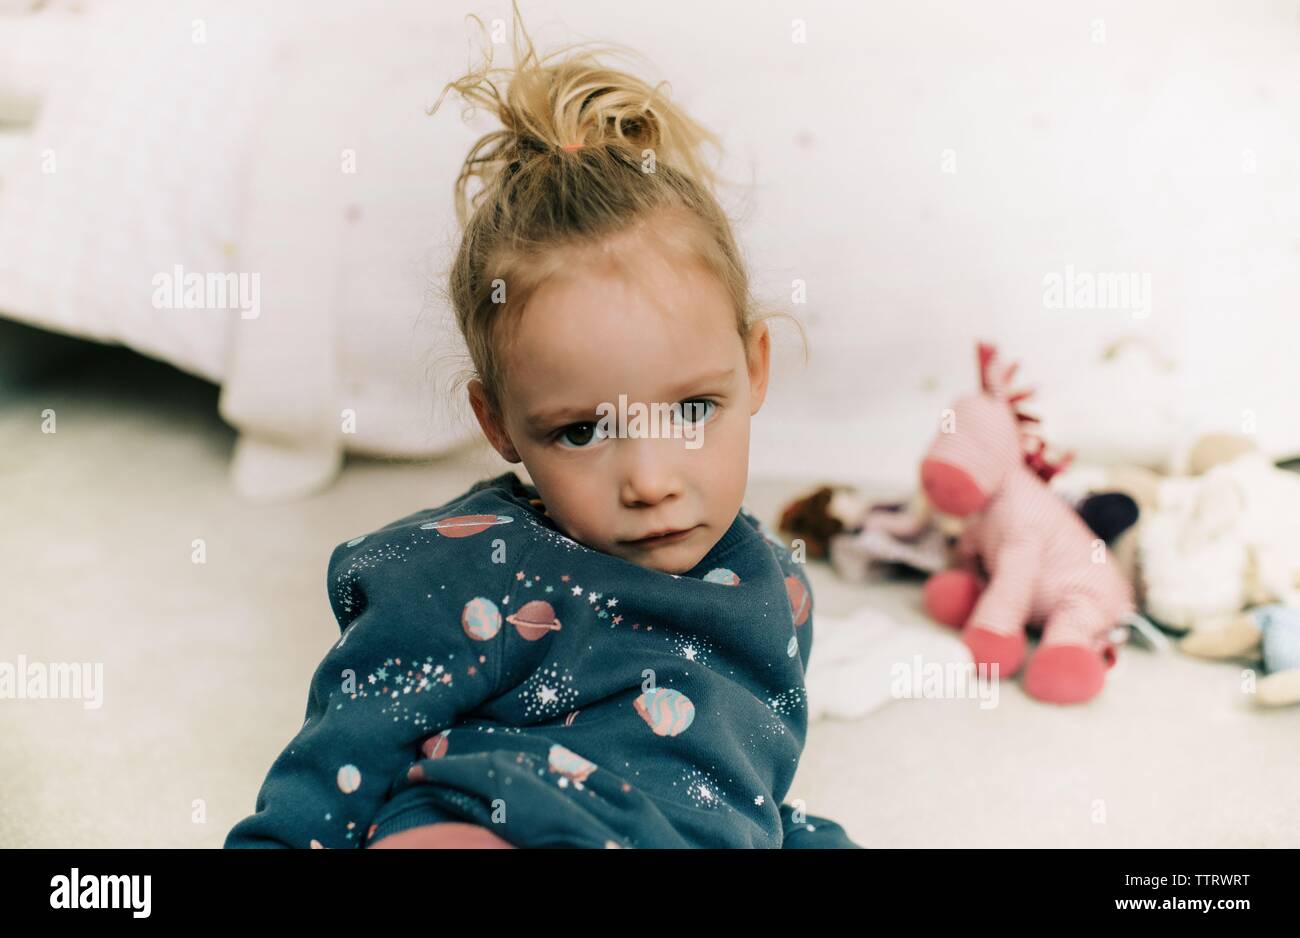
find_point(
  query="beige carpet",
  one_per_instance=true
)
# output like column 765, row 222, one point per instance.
column 206, row 666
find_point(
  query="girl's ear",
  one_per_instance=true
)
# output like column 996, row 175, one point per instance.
column 758, row 358
column 493, row 427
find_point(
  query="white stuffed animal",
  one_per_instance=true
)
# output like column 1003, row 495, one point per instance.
column 1216, row 543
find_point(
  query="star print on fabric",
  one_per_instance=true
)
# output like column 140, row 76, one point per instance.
column 564, row 578
column 758, row 800
column 703, row 790
column 519, row 575
column 577, row 591
column 694, row 648
column 611, row 602
column 549, row 691
column 401, row 690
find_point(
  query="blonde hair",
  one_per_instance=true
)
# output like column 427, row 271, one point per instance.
column 585, row 152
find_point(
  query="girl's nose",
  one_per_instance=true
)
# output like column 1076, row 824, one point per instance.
column 650, row 470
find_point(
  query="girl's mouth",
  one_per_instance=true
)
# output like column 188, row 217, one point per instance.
column 647, row 543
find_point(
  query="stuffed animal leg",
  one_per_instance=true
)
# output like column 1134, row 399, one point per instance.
column 1071, row 661
column 1270, row 632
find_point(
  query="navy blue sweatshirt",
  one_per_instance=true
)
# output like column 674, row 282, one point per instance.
column 494, row 671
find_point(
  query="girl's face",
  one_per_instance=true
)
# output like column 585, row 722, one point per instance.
column 634, row 320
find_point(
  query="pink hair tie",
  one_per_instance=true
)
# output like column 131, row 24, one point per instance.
column 572, row 146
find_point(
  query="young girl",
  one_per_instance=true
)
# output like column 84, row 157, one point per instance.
column 612, row 656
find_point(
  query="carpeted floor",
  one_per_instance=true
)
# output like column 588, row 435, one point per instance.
column 206, row 666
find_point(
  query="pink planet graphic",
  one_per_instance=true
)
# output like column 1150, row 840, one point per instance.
column 480, row 619
column 349, row 779
column 722, row 575
column 465, row 525
column 666, row 711
column 534, row 620
column 800, row 601
column 569, row 763
column 435, row 747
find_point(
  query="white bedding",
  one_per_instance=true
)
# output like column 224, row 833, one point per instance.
column 217, row 139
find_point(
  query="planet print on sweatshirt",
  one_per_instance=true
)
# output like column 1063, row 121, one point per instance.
column 800, row 601
column 534, row 619
column 569, row 764
column 349, row 779
column 481, row 619
column 435, row 747
column 666, row 711
column 465, row 525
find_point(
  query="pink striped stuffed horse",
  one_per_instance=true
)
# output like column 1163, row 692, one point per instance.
column 1044, row 565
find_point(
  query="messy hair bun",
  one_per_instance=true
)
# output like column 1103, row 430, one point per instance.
column 585, row 151
column 566, row 102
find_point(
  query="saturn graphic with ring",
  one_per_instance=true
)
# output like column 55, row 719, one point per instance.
column 534, row 619
column 465, row 525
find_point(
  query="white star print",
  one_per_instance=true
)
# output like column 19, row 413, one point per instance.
column 577, row 591
column 611, row 602
column 546, row 695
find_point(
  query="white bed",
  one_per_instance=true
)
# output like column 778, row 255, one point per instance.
column 286, row 145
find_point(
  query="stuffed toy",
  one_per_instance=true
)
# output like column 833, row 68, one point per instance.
column 1044, row 564
column 1222, row 540
column 818, row 517
column 909, row 535
column 1271, row 633
column 835, row 523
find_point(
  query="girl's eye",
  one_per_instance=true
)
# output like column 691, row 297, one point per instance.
column 578, row 435
column 697, row 410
